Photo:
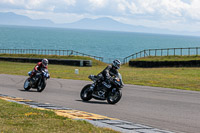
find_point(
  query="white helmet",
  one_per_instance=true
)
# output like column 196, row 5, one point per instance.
column 45, row 62
column 116, row 64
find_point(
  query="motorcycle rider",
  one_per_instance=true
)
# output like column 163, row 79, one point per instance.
column 39, row 66
column 107, row 74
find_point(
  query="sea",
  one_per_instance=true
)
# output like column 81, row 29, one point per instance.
column 107, row 44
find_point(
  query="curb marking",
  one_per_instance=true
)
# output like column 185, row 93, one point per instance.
column 66, row 112
column 76, row 114
column 95, row 119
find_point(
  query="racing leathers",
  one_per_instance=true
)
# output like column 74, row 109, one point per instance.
column 106, row 76
column 37, row 68
column 108, row 73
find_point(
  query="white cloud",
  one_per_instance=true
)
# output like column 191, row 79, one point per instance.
column 42, row 5
column 12, row 1
column 193, row 10
column 70, row 2
column 97, row 3
column 34, row 4
column 160, row 13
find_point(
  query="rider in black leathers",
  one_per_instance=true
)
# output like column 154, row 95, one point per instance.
column 107, row 74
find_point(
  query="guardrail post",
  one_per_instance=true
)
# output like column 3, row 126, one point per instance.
column 189, row 51
column 174, row 51
column 196, row 51
column 149, row 52
column 181, row 51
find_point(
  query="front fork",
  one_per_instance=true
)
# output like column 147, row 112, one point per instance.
column 92, row 86
column 114, row 90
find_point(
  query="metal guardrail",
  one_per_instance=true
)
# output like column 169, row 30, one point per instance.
column 145, row 53
column 110, row 60
column 164, row 52
column 47, row 52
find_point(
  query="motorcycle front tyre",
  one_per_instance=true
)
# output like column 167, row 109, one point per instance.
column 113, row 99
column 26, row 84
column 86, row 94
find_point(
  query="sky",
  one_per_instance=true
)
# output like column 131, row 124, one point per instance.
column 176, row 15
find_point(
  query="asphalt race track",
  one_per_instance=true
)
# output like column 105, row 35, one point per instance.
column 163, row 108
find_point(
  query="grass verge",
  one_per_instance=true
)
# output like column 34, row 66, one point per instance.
column 21, row 118
column 179, row 78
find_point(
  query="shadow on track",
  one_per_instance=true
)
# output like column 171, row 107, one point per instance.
column 28, row 90
column 93, row 102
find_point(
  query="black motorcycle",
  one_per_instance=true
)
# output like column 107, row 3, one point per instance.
column 38, row 81
column 100, row 92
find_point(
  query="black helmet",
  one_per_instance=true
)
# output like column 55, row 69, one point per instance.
column 45, row 62
column 116, row 64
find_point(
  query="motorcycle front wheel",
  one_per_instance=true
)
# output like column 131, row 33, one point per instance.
column 41, row 85
column 27, row 85
column 113, row 98
column 86, row 94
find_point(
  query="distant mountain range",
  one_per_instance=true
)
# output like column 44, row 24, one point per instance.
column 104, row 23
column 10, row 18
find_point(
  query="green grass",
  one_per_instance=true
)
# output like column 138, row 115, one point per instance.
column 21, row 118
column 167, row 58
column 94, row 62
column 179, row 78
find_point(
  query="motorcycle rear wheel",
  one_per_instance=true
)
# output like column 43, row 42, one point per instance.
column 113, row 99
column 27, row 85
column 86, row 94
